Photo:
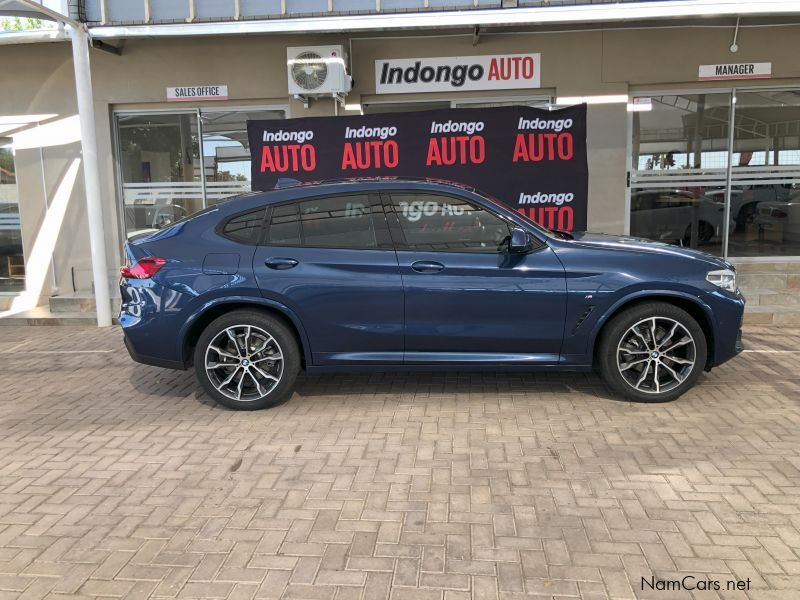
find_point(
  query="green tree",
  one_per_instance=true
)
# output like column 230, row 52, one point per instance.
column 21, row 24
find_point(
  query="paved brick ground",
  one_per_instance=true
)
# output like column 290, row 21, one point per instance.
column 119, row 480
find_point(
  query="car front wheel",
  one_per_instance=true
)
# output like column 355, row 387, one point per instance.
column 652, row 352
column 247, row 360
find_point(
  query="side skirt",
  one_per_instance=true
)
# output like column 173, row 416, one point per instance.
column 483, row 368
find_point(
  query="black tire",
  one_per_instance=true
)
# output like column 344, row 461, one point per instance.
column 705, row 233
column 663, row 313
column 745, row 216
column 260, row 326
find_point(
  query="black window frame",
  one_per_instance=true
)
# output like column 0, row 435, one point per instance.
column 220, row 228
column 399, row 236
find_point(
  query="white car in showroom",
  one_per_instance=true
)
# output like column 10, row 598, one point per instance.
column 670, row 216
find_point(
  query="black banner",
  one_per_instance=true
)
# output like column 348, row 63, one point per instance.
column 531, row 159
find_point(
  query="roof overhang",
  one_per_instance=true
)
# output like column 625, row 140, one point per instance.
column 514, row 17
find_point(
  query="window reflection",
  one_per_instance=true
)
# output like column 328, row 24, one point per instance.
column 680, row 159
column 681, row 153
column 227, row 150
column 765, row 177
column 678, row 217
column 12, row 260
column 173, row 164
column 160, row 168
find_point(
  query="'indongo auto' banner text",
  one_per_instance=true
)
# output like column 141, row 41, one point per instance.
column 532, row 160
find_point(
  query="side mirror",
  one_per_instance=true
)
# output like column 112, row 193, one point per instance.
column 520, row 241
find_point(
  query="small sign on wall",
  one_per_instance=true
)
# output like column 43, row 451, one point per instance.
column 641, row 104
column 735, row 71
column 197, row 92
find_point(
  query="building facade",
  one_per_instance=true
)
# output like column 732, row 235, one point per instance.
column 688, row 141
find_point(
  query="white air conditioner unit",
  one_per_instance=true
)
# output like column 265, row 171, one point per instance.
column 317, row 71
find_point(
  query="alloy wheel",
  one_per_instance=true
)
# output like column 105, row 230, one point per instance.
column 656, row 355
column 244, row 363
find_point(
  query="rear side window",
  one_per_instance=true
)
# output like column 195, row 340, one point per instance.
column 284, row 226
column 325, row 222
column 245, row 228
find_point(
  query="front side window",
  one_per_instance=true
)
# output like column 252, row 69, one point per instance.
column 434, row 222
column 325, row 222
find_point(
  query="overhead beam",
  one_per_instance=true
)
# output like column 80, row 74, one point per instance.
column 110, row 48
column 542, row 15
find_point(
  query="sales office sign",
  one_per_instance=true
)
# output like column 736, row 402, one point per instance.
column 188, row 93
column 458, row 73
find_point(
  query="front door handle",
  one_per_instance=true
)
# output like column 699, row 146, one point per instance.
column 427, row 266
column 280, row 264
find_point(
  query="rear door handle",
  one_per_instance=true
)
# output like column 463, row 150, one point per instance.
column 280, row 264
column 427, row 266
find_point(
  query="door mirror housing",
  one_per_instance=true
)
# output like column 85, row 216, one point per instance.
column 520, row 241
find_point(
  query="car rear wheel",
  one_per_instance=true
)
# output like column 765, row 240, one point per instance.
column 705, row 233
column 247, row 360
column 652, row 352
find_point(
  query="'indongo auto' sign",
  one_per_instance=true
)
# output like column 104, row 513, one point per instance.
column 532, row 160
column 457, row 73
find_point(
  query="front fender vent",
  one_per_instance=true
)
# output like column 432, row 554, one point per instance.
column 582, row 317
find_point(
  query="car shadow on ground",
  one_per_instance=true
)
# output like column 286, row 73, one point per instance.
column 183, row 384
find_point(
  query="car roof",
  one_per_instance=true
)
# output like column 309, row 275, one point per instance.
column 320, row 188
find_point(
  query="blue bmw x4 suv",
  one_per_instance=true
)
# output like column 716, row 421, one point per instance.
column 404, row 274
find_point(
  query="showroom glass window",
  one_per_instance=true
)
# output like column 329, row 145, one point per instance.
column 544, row 102
column 12, row 262
column 159, row 162
column 226, row 150
column 765, row 174
column 681, row 158
column 175, row 163
column 679, row 152
column 440, row 223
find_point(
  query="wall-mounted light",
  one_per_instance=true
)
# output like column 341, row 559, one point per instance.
column 600, row 99
column 734, row 45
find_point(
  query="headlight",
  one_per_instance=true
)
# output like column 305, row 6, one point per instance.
column 724, row 278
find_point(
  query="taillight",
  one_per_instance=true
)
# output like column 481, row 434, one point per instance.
column 779, row 214
column 144, row 268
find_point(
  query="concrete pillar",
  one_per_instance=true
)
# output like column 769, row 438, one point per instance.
column 91, row 171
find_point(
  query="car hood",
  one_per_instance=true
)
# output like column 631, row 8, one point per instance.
column 631, row 244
